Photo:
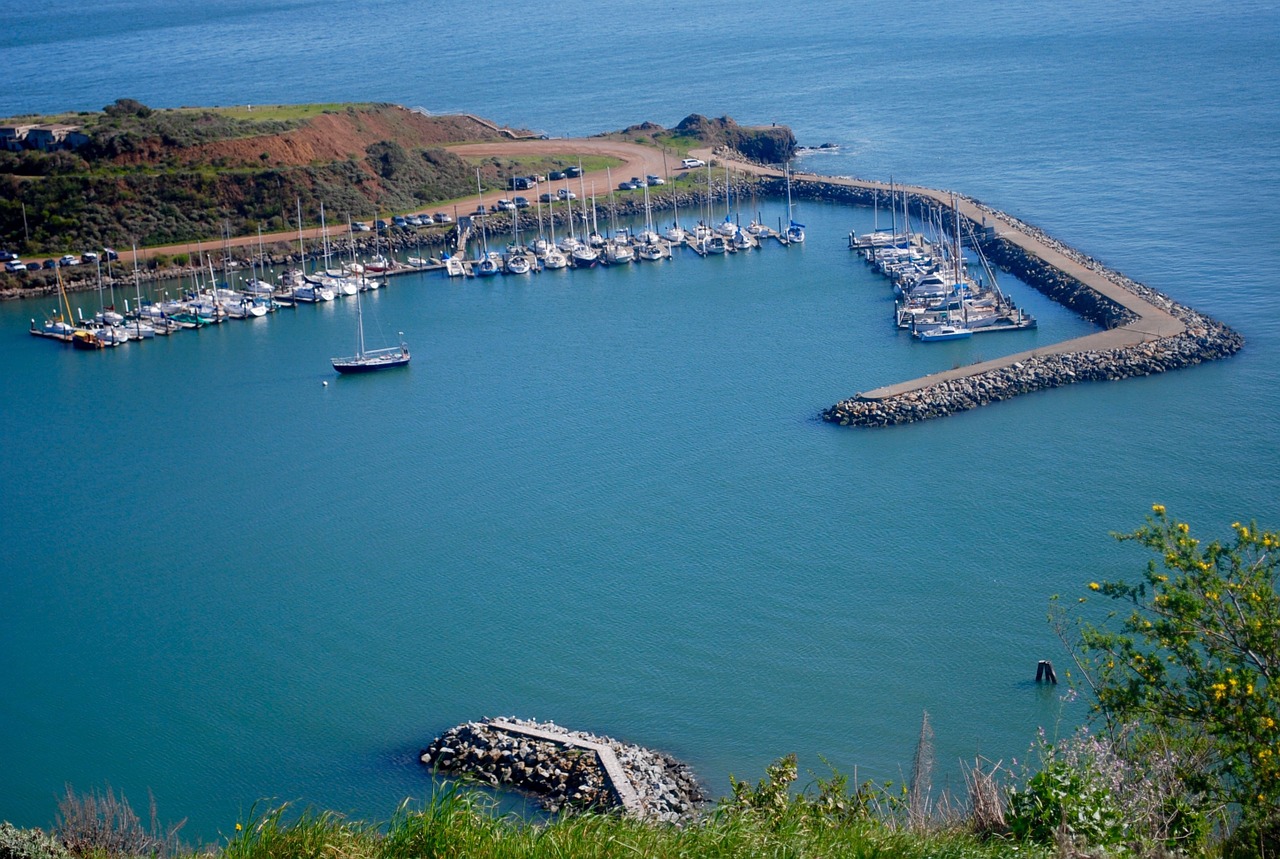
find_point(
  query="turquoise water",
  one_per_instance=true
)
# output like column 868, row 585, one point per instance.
column 604, row 497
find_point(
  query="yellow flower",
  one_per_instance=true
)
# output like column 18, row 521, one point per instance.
column 1158, row 509
column 1183, row 528
column 238, row 827
column 1093, row 586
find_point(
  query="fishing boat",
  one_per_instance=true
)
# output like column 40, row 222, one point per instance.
column 944, row 332
column 453, row 266
column 368, row 360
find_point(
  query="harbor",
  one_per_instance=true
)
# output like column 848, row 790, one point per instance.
column 937, row 298
column 251, row 282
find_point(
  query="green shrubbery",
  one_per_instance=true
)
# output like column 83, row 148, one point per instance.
column 76, row 201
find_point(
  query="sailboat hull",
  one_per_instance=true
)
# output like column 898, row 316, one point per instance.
column 369, row 364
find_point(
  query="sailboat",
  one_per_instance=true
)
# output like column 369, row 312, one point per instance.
column 368, row 360
column 950, row 330
column 795, row 232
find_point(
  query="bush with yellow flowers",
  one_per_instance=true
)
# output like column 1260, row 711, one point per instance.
column 1189, row 662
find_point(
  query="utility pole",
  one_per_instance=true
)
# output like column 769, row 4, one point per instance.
column 26, row 234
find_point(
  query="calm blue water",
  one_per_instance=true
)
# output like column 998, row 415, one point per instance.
column 604, row 498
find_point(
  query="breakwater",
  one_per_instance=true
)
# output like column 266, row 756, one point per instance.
column 1145, row 331
column 568, row 770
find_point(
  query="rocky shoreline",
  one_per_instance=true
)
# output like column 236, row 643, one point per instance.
column 562, row 769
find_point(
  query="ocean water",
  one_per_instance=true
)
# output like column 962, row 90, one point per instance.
column 604, row 498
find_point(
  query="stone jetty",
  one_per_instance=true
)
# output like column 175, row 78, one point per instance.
column 568, row 770
column 1144, row 331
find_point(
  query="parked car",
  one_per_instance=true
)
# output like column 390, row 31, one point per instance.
column 566, row 194
column 413, row 220
column 505, row 205
column 47, row 265
column 399, row 221
column 655, row 180
column 626, row 186
column 572, row 172
column 380, row 225
column 15, row 265
column 69, row 259
column 442, row 218
column 692, row 162
column 555, row 174
column 547, row 197
column 88, row 257
column 6, row 256
column 110, row 254
column 521, row 202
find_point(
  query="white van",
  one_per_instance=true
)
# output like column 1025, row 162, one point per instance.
column 692, row 162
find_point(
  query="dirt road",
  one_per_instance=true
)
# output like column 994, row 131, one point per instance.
column 636, row 160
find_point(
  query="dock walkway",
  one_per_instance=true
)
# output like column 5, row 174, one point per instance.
column 609, row 762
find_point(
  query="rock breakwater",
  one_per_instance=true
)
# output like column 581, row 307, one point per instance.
column 1205, row 339
column 1150, row 342
column 568, row 770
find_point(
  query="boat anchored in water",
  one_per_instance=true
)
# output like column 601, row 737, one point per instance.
column 368, row 360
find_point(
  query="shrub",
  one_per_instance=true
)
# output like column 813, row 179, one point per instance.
column 1186, row 672
column 29, row 844
column 105, row 824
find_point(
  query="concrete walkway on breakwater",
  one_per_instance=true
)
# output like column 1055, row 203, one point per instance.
column 621, row 784
column 1151, row 322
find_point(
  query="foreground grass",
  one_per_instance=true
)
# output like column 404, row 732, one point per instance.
column 457, row 824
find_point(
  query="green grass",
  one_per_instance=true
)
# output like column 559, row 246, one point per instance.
column 457, row 823
column 530, row 164
column 278, row 112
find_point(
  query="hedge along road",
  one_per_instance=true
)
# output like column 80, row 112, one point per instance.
column 636, row 160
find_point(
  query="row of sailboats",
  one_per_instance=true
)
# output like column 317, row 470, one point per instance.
column 937, row 299
column 584, row 246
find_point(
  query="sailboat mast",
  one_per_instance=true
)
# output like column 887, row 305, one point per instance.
column 359, row 327
column 302, row 249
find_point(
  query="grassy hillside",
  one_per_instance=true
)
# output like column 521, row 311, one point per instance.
column 158, row 176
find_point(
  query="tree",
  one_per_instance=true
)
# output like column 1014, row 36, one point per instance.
column 1191, row 663
column 127, row 107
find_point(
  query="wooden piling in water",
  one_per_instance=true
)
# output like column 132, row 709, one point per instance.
column 1044, row 672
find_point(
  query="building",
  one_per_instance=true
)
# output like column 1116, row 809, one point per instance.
column 50, row 138
column 14, row 137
